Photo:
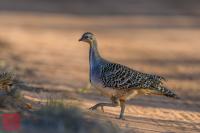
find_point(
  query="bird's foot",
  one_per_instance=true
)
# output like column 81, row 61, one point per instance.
column 93, row 108
column 121, row 118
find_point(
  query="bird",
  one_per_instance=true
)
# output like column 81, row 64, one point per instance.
column 6, row 82
column 9, row 96
column 119, row 82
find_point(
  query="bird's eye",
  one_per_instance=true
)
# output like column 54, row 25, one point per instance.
column 86, row 37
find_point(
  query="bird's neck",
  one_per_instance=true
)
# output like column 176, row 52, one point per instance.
column 95, row 61
column 94, row 53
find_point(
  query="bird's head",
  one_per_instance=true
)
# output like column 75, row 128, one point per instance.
column 88, row 37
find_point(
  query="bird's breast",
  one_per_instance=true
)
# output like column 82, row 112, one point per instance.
column 97, row 84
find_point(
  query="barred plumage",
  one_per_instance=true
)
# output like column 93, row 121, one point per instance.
column 121, row 77
column 6, row 81
column 119, row 82
column 166, row 92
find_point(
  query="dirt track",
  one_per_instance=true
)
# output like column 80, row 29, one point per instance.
column 43, row 50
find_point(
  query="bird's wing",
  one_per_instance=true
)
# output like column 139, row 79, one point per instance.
column 121, row 77
column 6, row 78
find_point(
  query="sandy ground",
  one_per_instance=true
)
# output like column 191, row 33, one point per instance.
column 43, row 50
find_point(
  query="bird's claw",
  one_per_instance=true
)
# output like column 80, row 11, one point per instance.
column 93, row 108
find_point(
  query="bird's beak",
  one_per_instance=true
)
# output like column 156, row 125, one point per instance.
column 80, row 39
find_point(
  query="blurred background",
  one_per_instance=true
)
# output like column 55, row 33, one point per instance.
column 39, row 42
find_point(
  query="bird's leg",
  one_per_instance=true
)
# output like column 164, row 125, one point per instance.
column 102, row 105
column 122, row 105
column 115, row 103
column 102, row 109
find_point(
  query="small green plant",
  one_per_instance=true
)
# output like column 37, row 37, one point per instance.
column 85, row 89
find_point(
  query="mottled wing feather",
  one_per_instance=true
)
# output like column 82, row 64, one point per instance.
column 6, row 80
column 121, row 77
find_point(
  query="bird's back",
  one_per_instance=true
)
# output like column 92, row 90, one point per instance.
column 118, row 76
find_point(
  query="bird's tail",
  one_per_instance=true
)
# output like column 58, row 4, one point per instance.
column 166, row 92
